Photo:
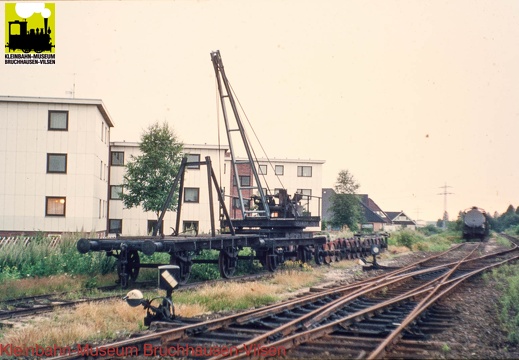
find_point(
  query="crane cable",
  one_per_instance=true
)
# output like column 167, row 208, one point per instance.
column 257, row 139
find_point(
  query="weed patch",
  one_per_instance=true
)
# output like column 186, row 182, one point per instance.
column 507, row 278
column 88, row 322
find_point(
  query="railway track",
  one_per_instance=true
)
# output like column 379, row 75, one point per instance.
column 38, row 304
column 383, row 316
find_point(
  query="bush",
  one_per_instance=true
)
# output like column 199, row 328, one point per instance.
column 406, row 238
column 430, row 230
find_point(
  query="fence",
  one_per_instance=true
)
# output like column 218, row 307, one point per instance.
column 8, row 241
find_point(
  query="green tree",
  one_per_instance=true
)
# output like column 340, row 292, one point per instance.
column 150, row 176
column 345, row 205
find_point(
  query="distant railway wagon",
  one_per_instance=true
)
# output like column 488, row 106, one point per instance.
column 475, row 224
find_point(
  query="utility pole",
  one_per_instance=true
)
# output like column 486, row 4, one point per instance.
column 445, row 193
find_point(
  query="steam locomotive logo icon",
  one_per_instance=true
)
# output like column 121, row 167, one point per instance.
column 29, row 27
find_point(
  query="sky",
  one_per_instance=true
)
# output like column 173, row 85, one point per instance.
column 408, row 96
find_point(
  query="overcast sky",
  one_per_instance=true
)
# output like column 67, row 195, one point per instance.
column 406, row 95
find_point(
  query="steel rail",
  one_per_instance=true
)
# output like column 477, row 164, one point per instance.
column 419, row 308
column 361, row 284
column 319, row 314
column 299, row 338
column 426, row 303
column 174, row 334
column 188, row 330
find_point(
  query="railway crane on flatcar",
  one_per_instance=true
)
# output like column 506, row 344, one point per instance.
column 274, row 229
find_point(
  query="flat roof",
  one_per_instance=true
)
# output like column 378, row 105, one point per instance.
column 294, row 161
column 186, row 146
column 48, row 100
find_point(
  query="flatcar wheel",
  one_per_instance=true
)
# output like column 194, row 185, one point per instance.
column 303, row 254
column 329, row 255
column 184, row 268
column 128, row 269
column 227, row 261
column 134, row 264
column 338, row 252
column 358, row 249
column 272, row 263
column 319, row 255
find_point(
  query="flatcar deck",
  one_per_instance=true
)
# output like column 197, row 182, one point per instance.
column 151, row 244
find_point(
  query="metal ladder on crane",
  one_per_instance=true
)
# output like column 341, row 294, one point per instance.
column 225, row 94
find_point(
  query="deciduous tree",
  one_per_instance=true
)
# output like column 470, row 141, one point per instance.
column 345, row 205
column 149, row 176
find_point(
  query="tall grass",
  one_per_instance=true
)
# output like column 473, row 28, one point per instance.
column 38, row 259
column 87, row 323
column 417, row 241
column 507, row 279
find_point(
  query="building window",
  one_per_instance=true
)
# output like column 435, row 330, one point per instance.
column 55, row 206
column 152, row 224
column 57, row 163
column 193, row 158
column 304, row 171
column 236, row 203
column 58, row 120
column 116, row 192
column 279, row 169
column 191, row 195
column 244, row 180
column 117, row 158
column 115, row 226
column 262, row 170
column 190, row 227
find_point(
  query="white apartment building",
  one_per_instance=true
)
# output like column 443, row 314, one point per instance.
column 53, row 164
column 59, row 172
